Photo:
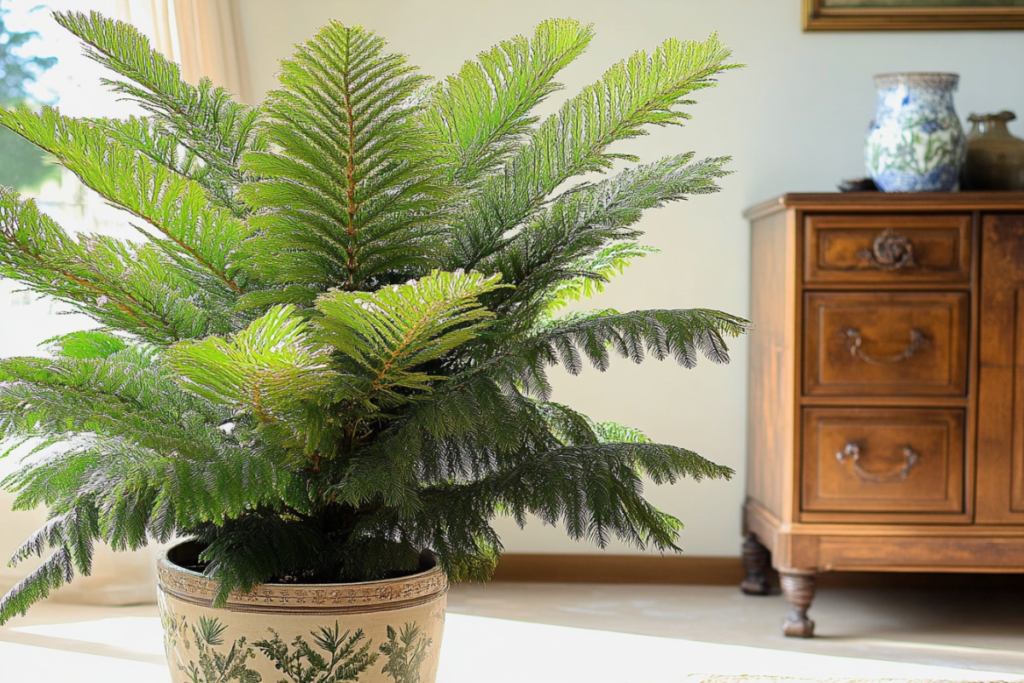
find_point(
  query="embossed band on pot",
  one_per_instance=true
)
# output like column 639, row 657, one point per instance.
column 370, row 596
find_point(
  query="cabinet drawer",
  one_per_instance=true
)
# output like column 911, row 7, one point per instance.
column 885, row 343
column 883, row 460
column 887, row 249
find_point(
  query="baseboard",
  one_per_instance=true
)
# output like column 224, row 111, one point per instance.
column 536, row 567
column 718, row 571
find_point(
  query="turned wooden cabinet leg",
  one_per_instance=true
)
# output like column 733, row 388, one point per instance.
column 755, row 560
column 798, row 587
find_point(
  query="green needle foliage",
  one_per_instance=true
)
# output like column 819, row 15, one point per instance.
column 330, row 349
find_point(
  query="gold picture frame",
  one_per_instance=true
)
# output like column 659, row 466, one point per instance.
column 910, row 15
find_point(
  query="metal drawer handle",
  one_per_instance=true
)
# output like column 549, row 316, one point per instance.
column 854, row 342
column 852, row 452
column 890, row 252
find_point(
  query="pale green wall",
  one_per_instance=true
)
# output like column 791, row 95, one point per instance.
column 793, row 120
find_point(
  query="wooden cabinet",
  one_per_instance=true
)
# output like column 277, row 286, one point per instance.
column 887, row 388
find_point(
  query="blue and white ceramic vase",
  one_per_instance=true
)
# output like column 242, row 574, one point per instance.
column 915, row 143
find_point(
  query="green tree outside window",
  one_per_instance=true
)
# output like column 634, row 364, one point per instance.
column 22, row 164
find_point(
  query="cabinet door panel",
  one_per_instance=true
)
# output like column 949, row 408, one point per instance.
column 1000, row 492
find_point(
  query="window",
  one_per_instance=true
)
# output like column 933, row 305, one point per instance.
column 49, row 68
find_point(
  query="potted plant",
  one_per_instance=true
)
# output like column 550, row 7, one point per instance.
column 325, row 363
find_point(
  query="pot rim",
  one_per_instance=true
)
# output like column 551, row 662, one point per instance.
column 401, row 592
column 163, row 559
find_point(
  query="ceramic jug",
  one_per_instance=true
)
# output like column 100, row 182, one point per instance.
column 995, row 158
column 915, row 143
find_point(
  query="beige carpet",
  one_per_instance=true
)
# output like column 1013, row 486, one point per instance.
column 976, row 635
column 707, row 678
column 60, row 643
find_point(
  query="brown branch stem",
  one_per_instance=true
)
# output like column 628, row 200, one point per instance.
column 353, row 205
column 85, row 283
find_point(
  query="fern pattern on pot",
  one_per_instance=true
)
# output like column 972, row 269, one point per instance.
column 213, row 666
column 303, row 664
column 175, row 628
column 198, row 650
column 406, row 651
column 217, row 667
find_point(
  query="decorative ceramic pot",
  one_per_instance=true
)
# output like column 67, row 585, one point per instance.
column 995, row 159
column 915, row 143
column 373, row 632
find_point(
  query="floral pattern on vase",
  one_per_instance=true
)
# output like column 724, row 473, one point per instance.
column 916, row 142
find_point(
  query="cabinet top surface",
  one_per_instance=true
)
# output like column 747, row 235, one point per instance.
column 881, row 201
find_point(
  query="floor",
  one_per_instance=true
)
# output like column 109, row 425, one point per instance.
column 548, row 633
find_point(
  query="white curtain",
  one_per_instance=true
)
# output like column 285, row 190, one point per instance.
column 152, row 17
column 203, row 36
